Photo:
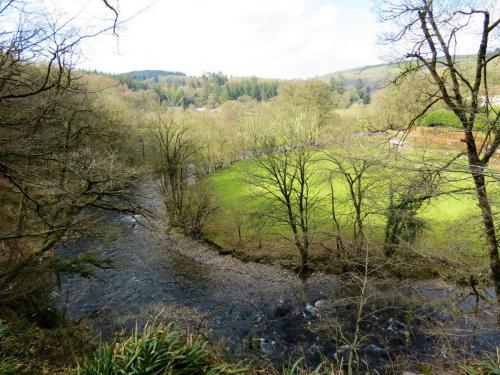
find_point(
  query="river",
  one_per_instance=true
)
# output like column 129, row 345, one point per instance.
column 265, row 312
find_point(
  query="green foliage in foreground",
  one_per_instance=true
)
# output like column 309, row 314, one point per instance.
column 161, row 350
column 157, row 351
column 490, row 367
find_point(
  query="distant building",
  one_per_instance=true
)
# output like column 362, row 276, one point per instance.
column 396, row 142
column 493, row 99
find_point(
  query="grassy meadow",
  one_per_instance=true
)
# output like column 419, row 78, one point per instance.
column 448, row 231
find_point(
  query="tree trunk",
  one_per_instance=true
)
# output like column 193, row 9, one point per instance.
column 477, row 170
column 303, row 250
column 304, row 260
column 489, row 228
column 391, row 232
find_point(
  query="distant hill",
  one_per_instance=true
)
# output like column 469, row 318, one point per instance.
column 375, row 76
column 143, row 75
column 372, row 75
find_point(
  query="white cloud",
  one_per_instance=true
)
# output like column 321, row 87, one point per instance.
column 268, row 38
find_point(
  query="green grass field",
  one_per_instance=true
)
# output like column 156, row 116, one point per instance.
column 452, row 223
column 447, row 119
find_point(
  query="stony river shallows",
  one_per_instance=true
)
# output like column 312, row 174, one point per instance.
column 265, row 312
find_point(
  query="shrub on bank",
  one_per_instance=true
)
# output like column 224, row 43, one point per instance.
column 156, row 351
column 160, row 350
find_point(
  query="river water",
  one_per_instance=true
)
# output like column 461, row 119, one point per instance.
column 264, row 312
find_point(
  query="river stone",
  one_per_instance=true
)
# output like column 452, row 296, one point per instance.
column 267, row 347
column 310, row 309
column 375, row 351
column 396, row 326
column 319, row 303
column 342, row 353
column 283, row 308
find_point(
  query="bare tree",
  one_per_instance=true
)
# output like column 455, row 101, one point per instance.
column 197, row 208
column 339, row 244
column 187, row 201
column 361, row 304
column 238, row 215
column 30, row 35
column 175, row 153
column 353, row 171
column 285, row 178
column 431, row 35
column 59, row 156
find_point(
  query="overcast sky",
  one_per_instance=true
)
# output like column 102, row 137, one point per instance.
column 266, row 38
